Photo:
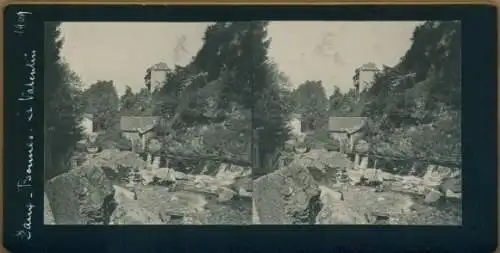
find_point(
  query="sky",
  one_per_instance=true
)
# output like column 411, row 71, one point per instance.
column 329, row 51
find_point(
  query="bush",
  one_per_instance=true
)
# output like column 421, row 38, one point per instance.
column 334, row 145
column 113, row 139
column 321, row 139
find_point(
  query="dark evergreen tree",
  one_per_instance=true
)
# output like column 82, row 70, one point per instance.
column 62, row 110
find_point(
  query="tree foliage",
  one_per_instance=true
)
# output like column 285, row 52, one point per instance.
column 311, row 103
column 62, row 105
column 101, row 100
column 229, row 78
column 417, row 102
column 127, row 101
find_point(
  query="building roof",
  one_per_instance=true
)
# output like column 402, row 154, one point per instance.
column 160, row 66
column 346, row 124
column 134, row 123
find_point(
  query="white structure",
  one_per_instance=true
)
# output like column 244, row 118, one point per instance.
column 364, row 76
column 158, row 76
column 295, row 125
column 88, row 124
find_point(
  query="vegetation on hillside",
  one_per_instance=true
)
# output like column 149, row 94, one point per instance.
column 229, row 88
column 415, row 106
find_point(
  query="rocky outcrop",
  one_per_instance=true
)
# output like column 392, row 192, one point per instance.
column 171, row 204
column 339, row 213
column 117, row 164
column 329, row 195
column 48, row 216
column 231, row 172
column 433, row 196
column 243, row 186
column 255, row 214
column 287, row 196
column 83, row 195
column 452, row 184
column 323, row 165
column 225, row 194
column 371, row 177
column 334, row 209
column 164, row 176
column 129, row 212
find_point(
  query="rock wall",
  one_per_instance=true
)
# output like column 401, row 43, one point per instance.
column 81, row 196
column 48, row 216
column 287, row 196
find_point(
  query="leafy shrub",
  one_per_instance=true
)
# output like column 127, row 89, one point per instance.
column 113, row 139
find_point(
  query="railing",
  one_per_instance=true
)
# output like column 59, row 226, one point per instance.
column 195, row 156
column 445, row 161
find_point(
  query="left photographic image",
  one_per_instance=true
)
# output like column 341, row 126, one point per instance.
column 141, row 127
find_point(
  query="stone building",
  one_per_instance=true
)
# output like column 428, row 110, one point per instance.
column 347, row 131
column 158, row 76
column 364, row 77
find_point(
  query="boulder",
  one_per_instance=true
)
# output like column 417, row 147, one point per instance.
column 147, row 176
column 231, row 172
column 243, row 183
column 338, row 213
column 243, row 193
column 129, row 212
column 328, row 195
column 354, row 176
column 180, row 175
column 433, row 196
column 335, row 211
column 432, row 177
column 377, row 218
column 363, row 199
column 117, row 164
column 195, row 219
column 451, row 194
column 165, row 203
column 122, row 194
column 372, row 177
column 48, row 216
column 83, row 196
column 323, row 165
column 204, row 181
column 287, row 196
column 225, row 194
column 164, row 176
column 452, row 184
column 324, row 160
column 386, row 176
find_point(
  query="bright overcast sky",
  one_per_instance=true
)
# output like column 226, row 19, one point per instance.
column 316, row 50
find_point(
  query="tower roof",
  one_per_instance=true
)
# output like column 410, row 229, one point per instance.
column 369, row 66
column 160, row 66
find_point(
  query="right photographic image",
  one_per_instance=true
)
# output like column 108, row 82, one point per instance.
column 356, row 122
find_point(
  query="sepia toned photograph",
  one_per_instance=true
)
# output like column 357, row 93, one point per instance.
column 249, row 123
column 373, row 112
column 144, row 125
